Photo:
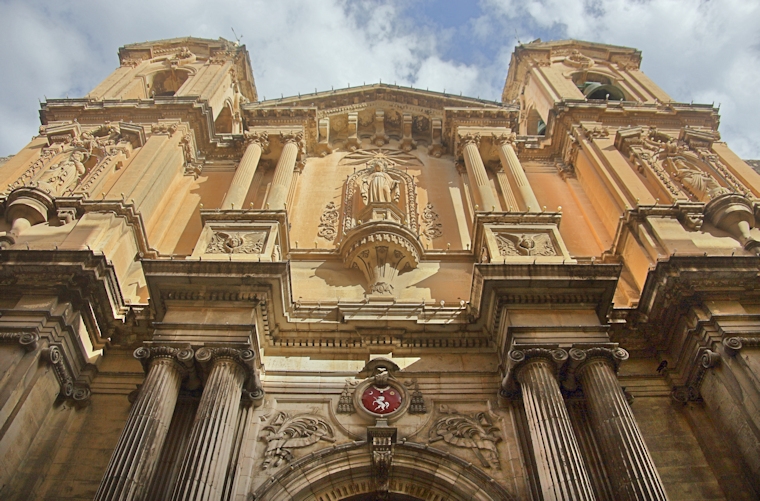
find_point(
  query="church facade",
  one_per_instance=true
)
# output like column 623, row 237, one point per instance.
column 379, row 292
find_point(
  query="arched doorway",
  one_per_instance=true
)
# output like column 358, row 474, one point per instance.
column 418, row 473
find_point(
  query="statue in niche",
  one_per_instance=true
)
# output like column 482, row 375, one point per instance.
column 61, row 176
column 378, row 186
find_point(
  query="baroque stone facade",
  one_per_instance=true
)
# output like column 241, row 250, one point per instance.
column 378, row 293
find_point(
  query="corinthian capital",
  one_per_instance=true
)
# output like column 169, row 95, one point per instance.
column 259, row 137
column 504, row 138
column 291, row 137
column 470, row 138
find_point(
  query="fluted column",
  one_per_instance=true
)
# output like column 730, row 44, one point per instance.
column 204, row 466
column 511, row 164
column 283, row 173
column 135, row 457
column 561, row 469
column 241, row 183
column 477, row 171
column 634, row 476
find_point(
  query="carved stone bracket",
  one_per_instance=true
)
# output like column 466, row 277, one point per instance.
column 27, row 340
column 381, row 440
column 690, row 392
column 80, row 393
column 244, row 357
column 733, row 345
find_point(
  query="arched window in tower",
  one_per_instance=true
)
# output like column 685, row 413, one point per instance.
column 167, row 82
column 598, row 86
column 223, row 122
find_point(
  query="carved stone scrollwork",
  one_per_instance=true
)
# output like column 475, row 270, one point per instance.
column 285, row 433
column 614, row 355
column 430, row 219
column 733, row 345
column 27, row 340
column 578, row 60
column 476, row 433
column 328, row 222
column 236, row 243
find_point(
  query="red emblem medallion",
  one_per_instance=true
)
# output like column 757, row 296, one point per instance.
column 381, row 400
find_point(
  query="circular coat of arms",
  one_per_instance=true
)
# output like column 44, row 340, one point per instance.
column 381, row 400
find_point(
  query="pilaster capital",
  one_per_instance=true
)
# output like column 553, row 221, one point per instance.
column 181, row 357
column 243, row 357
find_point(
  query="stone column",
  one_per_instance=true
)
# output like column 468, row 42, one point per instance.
column 204, row 467
column 477, row 171
column 634, row 476
column 561, row 469
column 241, row 183
column 136, row 455
column 283, row 173
column 511, row 164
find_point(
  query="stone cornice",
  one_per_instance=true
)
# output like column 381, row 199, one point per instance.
column 82, row 277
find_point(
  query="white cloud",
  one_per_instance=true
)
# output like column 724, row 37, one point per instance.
column 706, row 51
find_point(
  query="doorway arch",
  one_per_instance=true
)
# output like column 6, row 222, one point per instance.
column 418, row 473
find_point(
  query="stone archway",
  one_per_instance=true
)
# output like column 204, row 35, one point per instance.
column 418, row 473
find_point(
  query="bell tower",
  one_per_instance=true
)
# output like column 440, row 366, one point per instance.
column 542, row 74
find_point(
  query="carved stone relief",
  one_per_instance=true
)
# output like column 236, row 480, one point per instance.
column 476, row 433
column 235, row 242
column 346, row 400
column 432, row 228
column 285, row 433
column 328, row 222
column 525, row 244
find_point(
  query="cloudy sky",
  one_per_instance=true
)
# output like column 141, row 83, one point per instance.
column 706, row 51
